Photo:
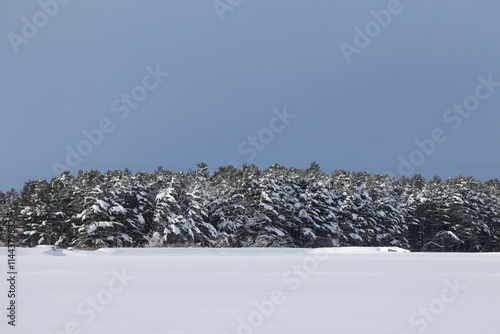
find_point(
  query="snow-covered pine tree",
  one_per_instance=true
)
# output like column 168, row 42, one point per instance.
column 107, row 216
column 181, row 210
column 9, row 213
column 275, row 212
column 42, row 212
column 356, row 211
column 315, row 208
column 389, row 220
column 195, row 205
column 228, row 206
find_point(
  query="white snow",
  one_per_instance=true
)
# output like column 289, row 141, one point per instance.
column 275, row 230
column 103, row 204
column 118, row 209
column 382, row 290
column 175, row 229
column 92, row 227
column 308, row 231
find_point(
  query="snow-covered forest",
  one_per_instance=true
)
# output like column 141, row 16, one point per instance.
column 250, row 207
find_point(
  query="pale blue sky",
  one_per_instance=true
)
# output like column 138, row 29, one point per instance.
column 226, row 77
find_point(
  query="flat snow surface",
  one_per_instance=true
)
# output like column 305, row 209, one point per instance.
column 178, row 290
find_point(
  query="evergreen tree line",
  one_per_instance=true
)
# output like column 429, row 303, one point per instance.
column 250, row 207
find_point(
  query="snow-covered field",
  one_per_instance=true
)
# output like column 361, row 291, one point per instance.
column 178, row 290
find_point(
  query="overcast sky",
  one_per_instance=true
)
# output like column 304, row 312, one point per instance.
column 384, row 86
